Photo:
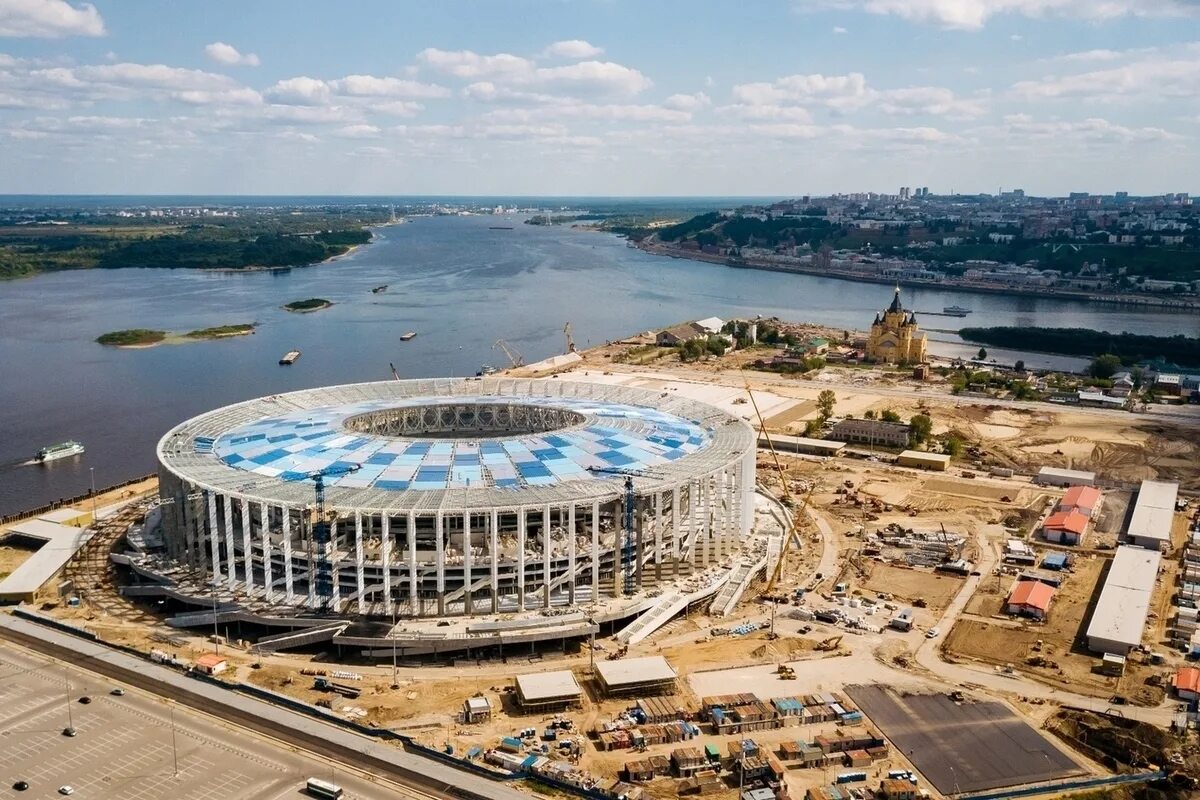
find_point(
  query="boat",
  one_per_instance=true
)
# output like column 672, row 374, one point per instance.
column 379, row 289
column 500, row 227
column 404, row 337
column 57, row 451
column 956, row 311
column 289, row 357
column 485, row 370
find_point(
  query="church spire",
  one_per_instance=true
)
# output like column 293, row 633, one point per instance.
column 895, row 306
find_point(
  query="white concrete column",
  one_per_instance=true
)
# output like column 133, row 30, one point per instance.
column 230, row 559
column 547, row 544
column 694, row 521
column 494, row 559
column 705, row 531
column 289, row 587
column 335, row 578
column 359, row 564
column 440, row 557
column 265, row 531
column 468, row 600
column 676, row 528
column 658, row 536
column 571, row 554
column 309, row 531
column 411, row 532
column 595, row 550
column 521, row 559
column 385, row 556
column 187, row 516
column 214, row 541
column 247, row 560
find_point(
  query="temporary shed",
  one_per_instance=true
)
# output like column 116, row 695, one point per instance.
column 1056, row 561
column 476, row 709
column 547, row 690
column 802, row 444
column 1055, row 476
column 1187, row 683
column 212, row 664
column 1084, row 499
column 922, row 460
column 649, row 675
column 1153, row 514
column 1065, row 527
column 1120, row 614
column 1030, row 599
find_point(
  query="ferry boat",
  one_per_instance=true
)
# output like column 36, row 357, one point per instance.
column 404, row 337
column 956, row 311
column 289, row 357
column 379, row 289
column 485, row 370
column 57, row 451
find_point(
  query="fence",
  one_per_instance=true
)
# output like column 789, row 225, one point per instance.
column 1058, row 788
column 67, row 501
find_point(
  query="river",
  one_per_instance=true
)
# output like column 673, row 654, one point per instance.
column 455, row 281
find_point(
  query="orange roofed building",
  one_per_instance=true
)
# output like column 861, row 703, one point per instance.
column 1065, row 527
column 1030, row 599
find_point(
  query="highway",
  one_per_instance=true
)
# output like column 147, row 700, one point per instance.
column 422, row 777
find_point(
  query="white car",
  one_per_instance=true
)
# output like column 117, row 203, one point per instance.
column 66, row 789
column 932, row 633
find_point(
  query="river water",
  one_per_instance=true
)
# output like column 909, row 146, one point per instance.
column 455, row 281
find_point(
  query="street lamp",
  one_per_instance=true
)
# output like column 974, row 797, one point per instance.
column 70, row 729
column 92, row 474
column 392, row 633
column 216, row 632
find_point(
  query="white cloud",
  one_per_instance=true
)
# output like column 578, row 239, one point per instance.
column 468, row 64
column 298, row 136
column 847, row 93
column 1151, row 77
column 489, row 92
column 372, row 86
column 839, row 29
column 398, row 108
column 229, row 55
column 1088, row 56
column 302, row 90
column 610, row 112
column 360, row 131
column 688, row 102
column 974, row 14
column 768, row 112
column 49, row 19
column 1093, row 129
column 573, row 48
column 241, row 96
column 603, row 77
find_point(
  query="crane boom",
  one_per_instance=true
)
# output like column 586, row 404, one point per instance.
column 511, row 353
column 628, row 561
column 319, row 526
column 570, row 339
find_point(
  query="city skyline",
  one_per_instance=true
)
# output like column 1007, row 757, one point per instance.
column 600, row 98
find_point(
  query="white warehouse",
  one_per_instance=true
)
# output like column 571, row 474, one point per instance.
column 1153, row 515
column 1120, row 616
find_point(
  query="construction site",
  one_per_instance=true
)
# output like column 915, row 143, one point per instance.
column 841, row 571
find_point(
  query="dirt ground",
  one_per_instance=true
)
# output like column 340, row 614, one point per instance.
column 13, row 555
column 909, row 584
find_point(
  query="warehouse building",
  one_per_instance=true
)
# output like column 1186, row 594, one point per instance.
column 626, row 676
column 547, row 691
column 1153, row 515
column 1120, row 615
column 874, row 432
column 1054, row 476
column 922, row 460
column 801, row 444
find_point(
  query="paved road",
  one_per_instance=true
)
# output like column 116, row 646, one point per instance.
column 424, row 776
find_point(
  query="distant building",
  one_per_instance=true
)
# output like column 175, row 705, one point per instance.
column 1056, row 476
column 673, row 337
column 1084, row 499
column 871, row 431
column 895, row 336
column 1065, row 527
column 937, row 462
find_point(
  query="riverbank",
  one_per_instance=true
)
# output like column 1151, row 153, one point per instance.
column 143, row 338
column 1149, row 303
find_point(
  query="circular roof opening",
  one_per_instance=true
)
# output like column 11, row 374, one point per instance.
column 464, row 420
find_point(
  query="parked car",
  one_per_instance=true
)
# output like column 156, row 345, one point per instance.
column 932, row 633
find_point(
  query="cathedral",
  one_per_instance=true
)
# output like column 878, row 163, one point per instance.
column 895, row 337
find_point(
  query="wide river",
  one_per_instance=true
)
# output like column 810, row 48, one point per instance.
column 460, row 285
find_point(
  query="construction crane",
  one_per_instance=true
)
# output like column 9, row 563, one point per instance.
column 627, row 551
column 793, row 533
column 319, row 525
column 395, row 374
column 511, row 353
column 570, row 340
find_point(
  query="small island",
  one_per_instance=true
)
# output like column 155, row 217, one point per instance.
column 135, row 337
column 305, row 306
column 221, row 332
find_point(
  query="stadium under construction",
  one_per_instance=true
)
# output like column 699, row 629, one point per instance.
column 445, row 514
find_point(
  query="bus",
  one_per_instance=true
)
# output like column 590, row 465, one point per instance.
column 319, row 788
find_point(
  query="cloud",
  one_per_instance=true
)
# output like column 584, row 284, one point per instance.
column 573, row 48
column 768, row 112
column 1088, row 56
column 1092, row 129
column 974, row 14
column 372, row 86
column 360, row 131
column 603, row 77
column 839, row 29
column 1151, row 77
column 228, row 54
column 468, row 64
column 302, row 90
column 49, row 19
column 847, row 93
column 688, row 102
column 609, row 112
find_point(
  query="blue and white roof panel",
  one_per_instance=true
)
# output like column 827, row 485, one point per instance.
column 293, row 445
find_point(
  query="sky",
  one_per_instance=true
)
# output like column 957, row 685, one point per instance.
column 598, row 97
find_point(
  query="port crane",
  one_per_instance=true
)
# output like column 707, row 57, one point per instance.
column 793, row 533
column 630, row 500
column 319, row 525
column 514, row 356
column 570, row 339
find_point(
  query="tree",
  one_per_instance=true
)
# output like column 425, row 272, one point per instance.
column 919, row 428
column 825, row 403
column 953, row 446
column 715, row 345
column 812, row 428
column 1019, row 366
column 889, row 416
column 692, row 350
column 869, row 414
column 1104, row 366
column 982, row 354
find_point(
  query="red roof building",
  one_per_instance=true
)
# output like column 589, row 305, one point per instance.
column 1067, row 527
column 1030, row 599
column 1084, row 499
column 1187, row 683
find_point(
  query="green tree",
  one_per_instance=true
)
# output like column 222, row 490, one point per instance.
column 869, row 414
column 982, row 354
column 919, row 428
column 1104, row 366
column 825, row 403
column 953, row 446
column 1019, row 366
column 715, row 345
column 692, row 350
column 813, row 427
column 889, row 416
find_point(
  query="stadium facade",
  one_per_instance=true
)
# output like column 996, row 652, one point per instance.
column 452, row 497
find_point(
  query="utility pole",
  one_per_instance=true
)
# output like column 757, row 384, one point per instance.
column 70, row 721
column 392, row 633
column 216, row 633
column 92, row 473
column 174, row 746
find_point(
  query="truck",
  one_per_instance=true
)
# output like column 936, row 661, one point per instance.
column 345, row 690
